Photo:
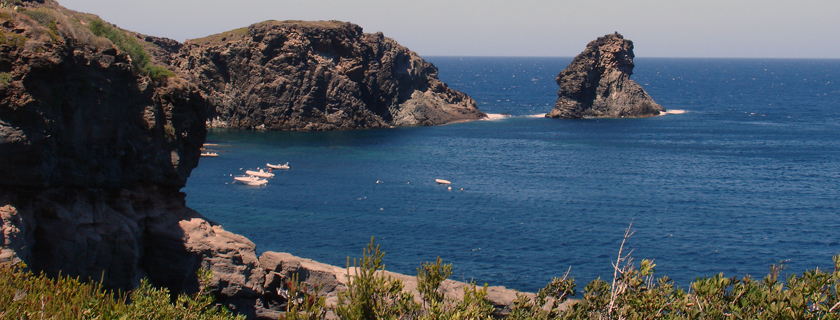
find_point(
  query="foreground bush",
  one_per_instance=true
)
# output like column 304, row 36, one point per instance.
column 636, row 294
column 25, row 295
column 633, row 293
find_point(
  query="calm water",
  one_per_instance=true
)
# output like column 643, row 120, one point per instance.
column 747, row 177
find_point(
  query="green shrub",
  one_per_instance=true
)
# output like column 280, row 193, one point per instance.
column 429, row 278
column 5, row 79
column 301, row 304
column 169, row 131
column 12, row 40
column 139, row 57
column 41, row 15
column 159, row 72
column 25, row 295
column 46, row 18
column 148, row 302
column 634, row 293
column 370, row 293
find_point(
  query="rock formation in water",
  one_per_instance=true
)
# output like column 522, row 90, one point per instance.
column 325, row 75
column 597, row 84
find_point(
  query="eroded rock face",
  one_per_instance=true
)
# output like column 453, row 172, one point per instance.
column 92, row 158
column 78, row 116
column 597, row 84
column 323, row 75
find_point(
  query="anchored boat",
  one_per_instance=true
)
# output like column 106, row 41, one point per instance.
column 278, row 166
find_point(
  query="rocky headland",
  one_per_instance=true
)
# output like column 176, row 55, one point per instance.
column 313, row 76
column 93, row 153
column 597, row 84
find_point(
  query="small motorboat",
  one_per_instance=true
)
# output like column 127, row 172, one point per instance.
column 278, row 166
column 260, row 174
column 250, row 180
column 209, row 154
column 441, row 181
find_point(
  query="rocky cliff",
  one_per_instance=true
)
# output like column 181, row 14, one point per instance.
column 325, row 75
column 92, row 158
column 597, row 84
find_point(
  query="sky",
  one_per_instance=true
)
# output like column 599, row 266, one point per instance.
column 544, row 28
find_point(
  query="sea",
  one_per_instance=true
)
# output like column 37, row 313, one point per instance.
column 742, row 173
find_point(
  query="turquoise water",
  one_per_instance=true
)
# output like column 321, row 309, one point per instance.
column 748, row 176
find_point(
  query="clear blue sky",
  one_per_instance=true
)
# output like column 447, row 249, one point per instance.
column 659, row 28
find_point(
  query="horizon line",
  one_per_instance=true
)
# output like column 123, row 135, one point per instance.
column 643, row 57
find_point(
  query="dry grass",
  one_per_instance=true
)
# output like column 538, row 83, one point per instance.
column 221, row 38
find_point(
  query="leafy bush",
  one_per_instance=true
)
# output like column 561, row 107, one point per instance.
column 25, row 295
column 429, row 278
column 5, row 79
column 634, row 293
column 139, row 57
column 13, row 39
column 370, row 293
column 300, row 303
column 157, row 72
column 46, row 18
column 41, row 15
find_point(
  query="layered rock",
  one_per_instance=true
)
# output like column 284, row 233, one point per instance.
column 325, row 75
column 92, row 158
column 597, row 84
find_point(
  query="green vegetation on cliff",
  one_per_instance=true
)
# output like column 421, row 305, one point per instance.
column 130, row 45
column 49, row 23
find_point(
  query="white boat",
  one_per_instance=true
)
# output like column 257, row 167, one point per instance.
column 278, row 166
column 441, row 181
column 250, row 180
column 260, row 174
column 209, row 154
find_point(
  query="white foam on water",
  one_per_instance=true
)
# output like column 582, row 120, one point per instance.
column 495, row 116
column 538, row 115
column 662, row 113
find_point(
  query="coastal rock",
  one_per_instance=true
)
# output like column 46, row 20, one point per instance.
column 597, row 84
column 313, row 76
column 92, row 158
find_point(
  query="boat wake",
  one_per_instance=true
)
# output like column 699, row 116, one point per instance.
column 496, row 116
column 500, row 116
column 662, row 113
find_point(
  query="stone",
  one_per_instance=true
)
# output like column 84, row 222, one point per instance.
column 597, row 84
column 314, row 76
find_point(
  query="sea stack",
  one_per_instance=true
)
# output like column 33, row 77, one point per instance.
column 597, row 84
column 314, row 76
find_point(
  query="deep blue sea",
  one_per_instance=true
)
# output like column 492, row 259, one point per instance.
column 747, row 176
